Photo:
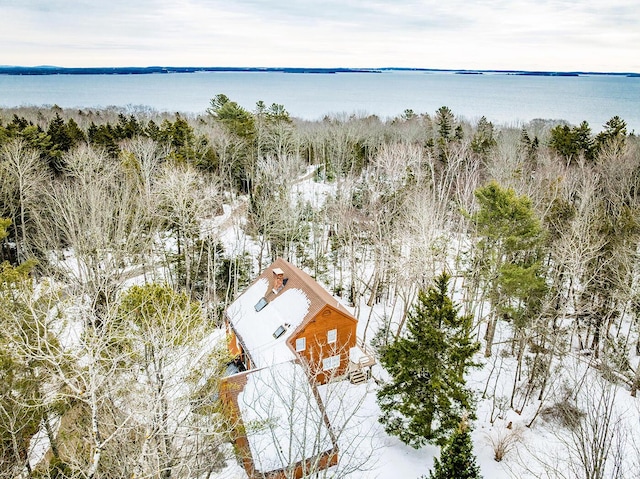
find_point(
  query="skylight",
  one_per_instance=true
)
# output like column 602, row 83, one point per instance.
column 261, row 304
column 279, row 332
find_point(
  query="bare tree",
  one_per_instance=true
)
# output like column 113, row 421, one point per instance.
column 184, row 198
column 176, row 361
column 23, row 176
column 274, row 217
column 146, row 158
column 596, row 444
column 92, row 227
column 78, row 370
column 294, row 426
column 125, row 378
column 589, row 437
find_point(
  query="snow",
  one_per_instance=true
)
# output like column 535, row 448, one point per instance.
column 39, row 444
column 283, row 419
column 256, row 328
column 355, row 354
column 541, row 450
column 313, row 192
column 365, row 446
column 366, row 450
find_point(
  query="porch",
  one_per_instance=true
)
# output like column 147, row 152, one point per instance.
column 361, row 359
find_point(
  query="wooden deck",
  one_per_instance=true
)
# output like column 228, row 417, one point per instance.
column 360, row 361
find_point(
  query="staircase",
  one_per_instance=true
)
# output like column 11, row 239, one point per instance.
column 357, row 376
column 360, row 362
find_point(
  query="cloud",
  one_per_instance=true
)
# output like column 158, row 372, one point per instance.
column 362, row 15
column 518, row 34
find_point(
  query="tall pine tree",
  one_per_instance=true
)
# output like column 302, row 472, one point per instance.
column 456, row 458
column 426, row 397
column 508, row 257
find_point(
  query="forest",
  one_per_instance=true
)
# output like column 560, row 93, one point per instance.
column 126, row 233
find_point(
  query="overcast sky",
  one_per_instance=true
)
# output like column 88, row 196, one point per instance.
column 586, row 35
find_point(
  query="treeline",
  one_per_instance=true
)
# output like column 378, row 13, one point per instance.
column 394, row 178
column 538, row 226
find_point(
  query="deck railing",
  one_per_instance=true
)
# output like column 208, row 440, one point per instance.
column 368, row 359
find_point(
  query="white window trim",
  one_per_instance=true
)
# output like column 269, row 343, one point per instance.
column 301, row 344
column 332, row 336
column 331, row 362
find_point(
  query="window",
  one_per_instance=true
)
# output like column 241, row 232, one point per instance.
column 279, row 332
column 332, row 336
column 260, row 304
column 331, row 362
column 301, row 344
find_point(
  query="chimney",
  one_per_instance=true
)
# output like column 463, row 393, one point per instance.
column 278, row 280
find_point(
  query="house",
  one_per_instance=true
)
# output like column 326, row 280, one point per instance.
column 289, row 335
column 286, row 315
column 282, row 429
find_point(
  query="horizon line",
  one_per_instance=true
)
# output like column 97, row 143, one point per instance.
column 53, row 69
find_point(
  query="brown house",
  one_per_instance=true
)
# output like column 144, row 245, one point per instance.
column 282, row 428
column 289, row 334
column 286, row 315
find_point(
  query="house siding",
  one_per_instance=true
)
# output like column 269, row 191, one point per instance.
column 315, row 332
column 234, row 349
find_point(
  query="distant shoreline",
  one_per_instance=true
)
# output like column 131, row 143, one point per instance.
column 54, row 70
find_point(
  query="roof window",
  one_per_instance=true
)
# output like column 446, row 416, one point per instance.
column 281, row 329
column 279, row 332
column 261, row 304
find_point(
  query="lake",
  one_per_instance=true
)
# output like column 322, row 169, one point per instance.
column 503, row 98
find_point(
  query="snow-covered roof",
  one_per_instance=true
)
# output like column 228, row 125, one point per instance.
column 283, row 419
column 256, row 328
column 300, row 298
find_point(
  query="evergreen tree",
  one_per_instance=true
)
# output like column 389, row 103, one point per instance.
column 613, row 135
column 233, row 117
column 529, row 147
column 426, row 397
column 240, row 124
column 572, row 142
column 447, row 131
column 508, row 255
column 456, row 458
column 103, row 136
column 63, row 137
column 483, row 141
column 445, row 122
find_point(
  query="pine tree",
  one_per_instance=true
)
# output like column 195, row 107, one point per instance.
column 426, row 397
column 508, row 256
column 456, row 458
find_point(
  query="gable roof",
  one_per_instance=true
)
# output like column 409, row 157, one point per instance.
column 299, row 301
column 318, row 296
column 285, row 422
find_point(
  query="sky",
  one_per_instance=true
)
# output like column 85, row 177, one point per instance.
column 551, row 35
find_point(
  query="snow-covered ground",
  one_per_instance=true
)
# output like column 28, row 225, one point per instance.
column 530, row 439
column 545, row 449
column 364, row 445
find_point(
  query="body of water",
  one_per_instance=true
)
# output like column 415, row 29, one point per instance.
column 502, row 98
